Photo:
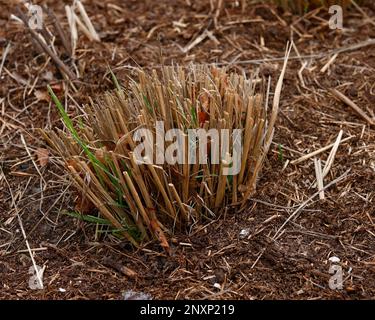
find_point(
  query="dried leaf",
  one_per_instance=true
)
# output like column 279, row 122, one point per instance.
column 205, row 100
column 100, row 155
column 42, row 156
column 57, row 87
column 83, row 205
column 48, row 76
column 203, row 117
column 160, row 235
column 242, row 188
column 120, row 268
column 41, row 95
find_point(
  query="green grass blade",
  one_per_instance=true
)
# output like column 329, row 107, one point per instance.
column 114, row 79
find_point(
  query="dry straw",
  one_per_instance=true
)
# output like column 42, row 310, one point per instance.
column 301, row 6
column 144, row 202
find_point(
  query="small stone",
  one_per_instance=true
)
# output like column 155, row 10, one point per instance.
column 334, row 259
column 244, row 233
column 217, row 286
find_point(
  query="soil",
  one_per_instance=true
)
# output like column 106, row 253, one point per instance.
column 294, row 264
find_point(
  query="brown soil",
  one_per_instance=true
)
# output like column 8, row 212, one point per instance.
column 148, row 33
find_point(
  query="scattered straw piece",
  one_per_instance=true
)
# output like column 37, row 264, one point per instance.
column 87, row 21
column 351, row 104
column 332, row 154
column 305, row 203
column 328, row 64
column 31, row 158
column 319, row 177
column 73, row 28
column 316, row 152
column 42, row 43
column 5, row 53
column 197, row 41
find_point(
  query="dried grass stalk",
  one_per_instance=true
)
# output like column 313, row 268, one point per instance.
column 301, row 6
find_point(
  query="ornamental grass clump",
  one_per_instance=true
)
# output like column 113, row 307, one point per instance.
column 148, row 198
